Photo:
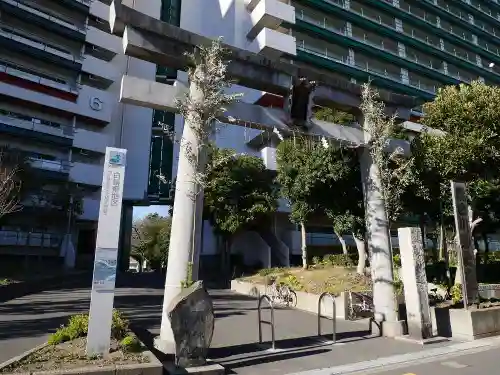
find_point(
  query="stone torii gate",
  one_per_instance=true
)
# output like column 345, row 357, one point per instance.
column 151, row 40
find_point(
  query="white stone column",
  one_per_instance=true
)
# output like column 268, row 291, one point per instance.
column 379, row 245
column 183, row 221
column 415, row 283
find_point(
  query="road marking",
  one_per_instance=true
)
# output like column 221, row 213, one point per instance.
column 409, row 373
column 453, row 364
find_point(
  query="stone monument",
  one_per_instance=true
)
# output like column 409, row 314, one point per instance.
column 465, row 250
column 415, row 284
column 191, row 315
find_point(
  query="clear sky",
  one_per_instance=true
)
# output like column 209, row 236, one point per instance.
column 141, row 211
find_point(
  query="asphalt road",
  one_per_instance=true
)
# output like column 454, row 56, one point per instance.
column 26, row 322
column 483, row 363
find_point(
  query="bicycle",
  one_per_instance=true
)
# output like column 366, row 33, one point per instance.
column 283, row 294
column 360, row 306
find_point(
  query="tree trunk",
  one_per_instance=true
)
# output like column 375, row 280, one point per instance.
column 442, row 241
column 361, row 246
column 486, row 248
column 342, row 242
column 304, row 245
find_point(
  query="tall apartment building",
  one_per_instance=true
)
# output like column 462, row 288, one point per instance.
column 406, row 46
column 60, row 73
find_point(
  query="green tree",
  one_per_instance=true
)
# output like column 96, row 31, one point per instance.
column 307, row 173
column 150, row 241
column 467, row 149
column 239, row 191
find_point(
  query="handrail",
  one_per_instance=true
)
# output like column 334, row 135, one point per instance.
column 334, row 315
column 271, row 322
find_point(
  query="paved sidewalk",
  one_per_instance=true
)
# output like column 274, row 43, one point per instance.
column 26, row 322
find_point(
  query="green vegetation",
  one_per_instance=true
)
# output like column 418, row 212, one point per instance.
column 78, row 326
column 151, row 240
column 131, row 344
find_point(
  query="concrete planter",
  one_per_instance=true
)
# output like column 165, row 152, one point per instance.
column 464, row 324
column 305, row 301
column 153, row 367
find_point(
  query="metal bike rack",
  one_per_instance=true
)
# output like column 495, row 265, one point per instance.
column 334, row 316
column 271, row 322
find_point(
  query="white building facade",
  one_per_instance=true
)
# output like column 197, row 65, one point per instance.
column 60, row 73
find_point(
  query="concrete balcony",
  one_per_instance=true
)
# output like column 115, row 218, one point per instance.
column 15, row 71
column 91, row 102
column 100, row 68
column 31, row 40
column 104, row 40
column 36, row 129
column 86, row 174
column 40, row 17
column 92, row 141
column 57, row 166
column 270, row 14
column 273, row 44
column 90, row 209
column 99, row 10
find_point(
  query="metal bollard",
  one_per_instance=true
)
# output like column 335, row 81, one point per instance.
column 271, row 323
column 334, row 316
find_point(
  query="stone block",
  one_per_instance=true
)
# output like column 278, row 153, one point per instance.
column 471, row 324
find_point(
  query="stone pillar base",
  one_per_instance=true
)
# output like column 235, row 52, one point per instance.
column 164, row 346
column 388, row 328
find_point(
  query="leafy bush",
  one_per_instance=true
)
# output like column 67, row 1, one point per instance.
column 131, row 344
column 456, row 293
column 269, row 271
column 78, row 326
column 292, row 281
column 396, row 260
column 338, row 260
column 316, row 260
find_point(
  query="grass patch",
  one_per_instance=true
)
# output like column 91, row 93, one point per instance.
column 318, row 279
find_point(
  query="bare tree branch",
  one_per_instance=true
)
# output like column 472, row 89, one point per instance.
column 9, row 187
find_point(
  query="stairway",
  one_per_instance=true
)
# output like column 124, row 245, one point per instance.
column 280, row 253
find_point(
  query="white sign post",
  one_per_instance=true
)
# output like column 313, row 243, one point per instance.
column 106, row 252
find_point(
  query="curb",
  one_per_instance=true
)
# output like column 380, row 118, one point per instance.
column 21, row 356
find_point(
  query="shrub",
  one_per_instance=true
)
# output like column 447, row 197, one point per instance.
column 269, row 271
column 131, row 344
column 78, row 326
column 316, row 260
column 456, row 293
column 396, row 260
column 119, row 325
column 339, row 260
column 292, row 281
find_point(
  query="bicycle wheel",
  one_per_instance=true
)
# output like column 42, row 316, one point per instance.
column 291, row 298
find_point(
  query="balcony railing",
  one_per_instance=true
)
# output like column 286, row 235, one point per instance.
column 61, row 166
column 33, row 41
column 31, row 239
column 323, row 24
column 324, row 53
column 53, row 82
column 34, row 124
column 343, row 33
column 49, row 17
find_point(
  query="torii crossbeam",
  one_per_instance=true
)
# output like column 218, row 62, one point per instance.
column 149, row 39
